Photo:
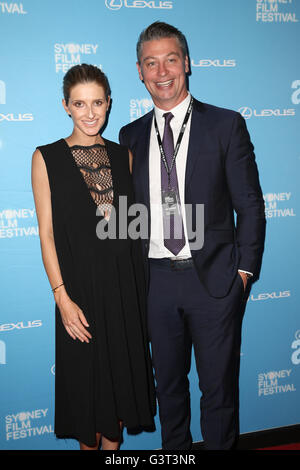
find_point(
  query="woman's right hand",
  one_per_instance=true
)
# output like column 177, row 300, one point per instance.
column 72, row 316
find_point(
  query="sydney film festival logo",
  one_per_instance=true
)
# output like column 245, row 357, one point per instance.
column 139, row 107
column 27, row 424
column 18, row 223
column 275, row 382
column 275, row 11
column 12, row 8
column 279, row 205
column 70, row 54
column 280, row 381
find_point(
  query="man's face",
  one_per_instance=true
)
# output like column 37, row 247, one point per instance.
column 163, row 69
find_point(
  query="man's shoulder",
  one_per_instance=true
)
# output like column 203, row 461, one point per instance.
column 219, row 119
column 130, row 132
column 213, row 111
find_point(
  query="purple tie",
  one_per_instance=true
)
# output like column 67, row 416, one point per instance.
column 174, row 238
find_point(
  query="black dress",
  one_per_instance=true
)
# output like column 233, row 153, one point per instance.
column 109, row 379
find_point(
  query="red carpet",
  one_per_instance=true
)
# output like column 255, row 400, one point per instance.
column 283, row 447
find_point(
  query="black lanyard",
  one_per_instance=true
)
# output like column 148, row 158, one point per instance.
column 162, row 152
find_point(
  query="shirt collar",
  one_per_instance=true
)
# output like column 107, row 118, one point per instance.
column 178, row 111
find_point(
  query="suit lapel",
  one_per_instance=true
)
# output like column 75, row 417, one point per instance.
column 194, row 148
column 141, row 168
column 141, row 164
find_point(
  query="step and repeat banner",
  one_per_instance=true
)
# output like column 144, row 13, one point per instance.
column 244, row 55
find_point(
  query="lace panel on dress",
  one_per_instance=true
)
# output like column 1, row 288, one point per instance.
column 94, row 165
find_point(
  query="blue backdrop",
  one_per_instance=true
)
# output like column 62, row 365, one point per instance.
column 244, row 57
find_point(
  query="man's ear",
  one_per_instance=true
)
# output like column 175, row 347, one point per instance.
column 186, row 64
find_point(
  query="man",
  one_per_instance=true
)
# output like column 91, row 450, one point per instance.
column 196, row 291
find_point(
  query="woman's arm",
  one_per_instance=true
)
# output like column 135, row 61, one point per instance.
column 130, row 160
column 72, row 317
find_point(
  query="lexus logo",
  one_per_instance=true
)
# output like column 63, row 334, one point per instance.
column 117, row 4
column 248, row 112
column 245, row 112
column 114, row 4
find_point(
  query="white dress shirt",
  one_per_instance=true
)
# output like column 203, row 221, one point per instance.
column 156, row 247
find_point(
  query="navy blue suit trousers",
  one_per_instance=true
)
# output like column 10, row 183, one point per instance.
column 182, row 315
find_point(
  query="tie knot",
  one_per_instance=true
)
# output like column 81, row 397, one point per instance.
column 168, row 117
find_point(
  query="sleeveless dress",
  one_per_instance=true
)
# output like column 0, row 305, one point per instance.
column 109, row 379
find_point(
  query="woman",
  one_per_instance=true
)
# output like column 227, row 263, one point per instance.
column 103, row 370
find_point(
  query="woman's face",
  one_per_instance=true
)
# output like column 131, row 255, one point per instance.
column 88, row 107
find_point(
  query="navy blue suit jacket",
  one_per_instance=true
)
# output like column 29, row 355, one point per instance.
column 221, row 173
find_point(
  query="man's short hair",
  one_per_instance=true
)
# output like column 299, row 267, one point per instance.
column 160, row 30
